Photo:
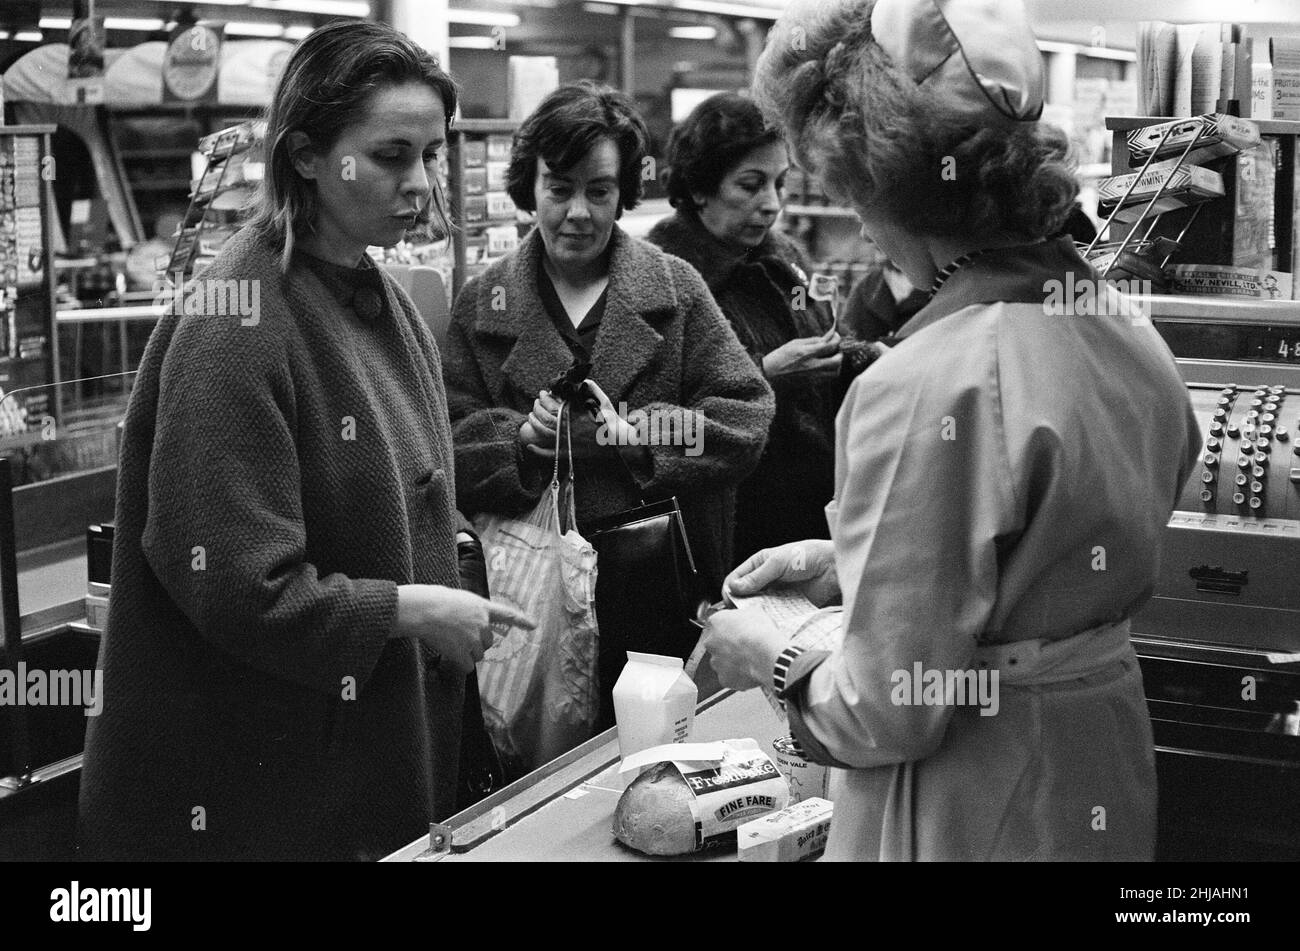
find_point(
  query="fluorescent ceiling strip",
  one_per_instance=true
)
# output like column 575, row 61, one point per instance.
column 132, row 23
column 693, row 32
column 482, row 17
column 255, row 29
column 340, row 8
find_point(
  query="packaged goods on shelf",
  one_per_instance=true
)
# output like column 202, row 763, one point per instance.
column 1179, row 186
column 501, row 240
column 1216, row 280
column 1212, row 136
column 498, row 148
column 473, row 152
column 476, row 182
column 231, row 141
column 234, row 172
column 1284, row 53
column 496, row 175
column 475, row 209
column 500, row 206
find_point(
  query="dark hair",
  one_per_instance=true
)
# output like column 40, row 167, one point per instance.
column 718, row 134
column 565, row 127
column 325, row 87
column 857, row 120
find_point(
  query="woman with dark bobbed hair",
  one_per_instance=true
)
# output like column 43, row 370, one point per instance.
column 286, row 658
column 579, row 290
column 726, row 173
column 1004, row 474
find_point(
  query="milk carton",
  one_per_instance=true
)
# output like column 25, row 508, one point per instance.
column 654, row 703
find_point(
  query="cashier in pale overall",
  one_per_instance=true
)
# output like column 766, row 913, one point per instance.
column 1003, row 474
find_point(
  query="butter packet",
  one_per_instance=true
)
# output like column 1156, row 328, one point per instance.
column 795, row 833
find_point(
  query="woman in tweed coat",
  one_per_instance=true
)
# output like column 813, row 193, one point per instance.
column 286, row 653
column 580, row 289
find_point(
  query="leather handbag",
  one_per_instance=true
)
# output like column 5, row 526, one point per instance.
column 648, row 590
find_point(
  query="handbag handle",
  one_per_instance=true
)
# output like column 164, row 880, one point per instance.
column 555, row 471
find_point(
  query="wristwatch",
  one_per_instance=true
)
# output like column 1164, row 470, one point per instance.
column 781, row 669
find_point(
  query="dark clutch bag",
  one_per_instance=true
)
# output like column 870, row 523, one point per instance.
column 647, row 587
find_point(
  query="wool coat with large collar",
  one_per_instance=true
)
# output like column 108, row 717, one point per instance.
column 663, row 347
column 764, row 293
column 280, row 476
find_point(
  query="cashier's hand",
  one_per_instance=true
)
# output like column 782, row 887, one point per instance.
column 457, row 624
column 743, row 646
column 807, row 566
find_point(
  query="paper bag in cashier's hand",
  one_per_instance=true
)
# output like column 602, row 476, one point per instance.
column 654, row 703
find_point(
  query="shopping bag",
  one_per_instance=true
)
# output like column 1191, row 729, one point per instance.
column 539, row 687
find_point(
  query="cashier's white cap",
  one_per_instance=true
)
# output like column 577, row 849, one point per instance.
column 979, row 56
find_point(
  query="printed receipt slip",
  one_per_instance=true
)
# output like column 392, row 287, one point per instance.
column 695, row 795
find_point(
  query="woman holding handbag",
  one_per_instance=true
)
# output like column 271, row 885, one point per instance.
column 286, row 657
column 682, row 410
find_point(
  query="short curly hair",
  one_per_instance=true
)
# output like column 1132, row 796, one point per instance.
column 852, row 117
column 564, row 128
column 709, row 143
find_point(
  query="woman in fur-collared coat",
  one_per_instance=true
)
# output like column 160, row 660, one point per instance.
column 579, row 289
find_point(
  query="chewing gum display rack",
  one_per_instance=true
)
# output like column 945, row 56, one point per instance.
column 1169, row 171
column 231, row 154
column 1252, row 226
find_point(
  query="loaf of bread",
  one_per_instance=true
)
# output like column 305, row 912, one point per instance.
column 654, row 814
column 677, row 807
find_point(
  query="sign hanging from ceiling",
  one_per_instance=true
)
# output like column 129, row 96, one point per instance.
column 191, row 63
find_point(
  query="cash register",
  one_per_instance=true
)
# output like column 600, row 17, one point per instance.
column 1219, row 642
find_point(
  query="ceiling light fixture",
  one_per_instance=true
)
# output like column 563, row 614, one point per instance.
column 693, row 32
column 482, row 17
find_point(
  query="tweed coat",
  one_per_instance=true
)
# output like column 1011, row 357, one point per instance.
column 277, row 482
column 662, row 345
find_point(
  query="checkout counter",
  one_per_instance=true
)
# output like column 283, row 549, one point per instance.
column 1219, row 643
column 564, row 811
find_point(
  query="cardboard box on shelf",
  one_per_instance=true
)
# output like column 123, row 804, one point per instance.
column 1284, row 52
column 1219, row 280
column 499, row 205
column 473, row 152
column 475, row 181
